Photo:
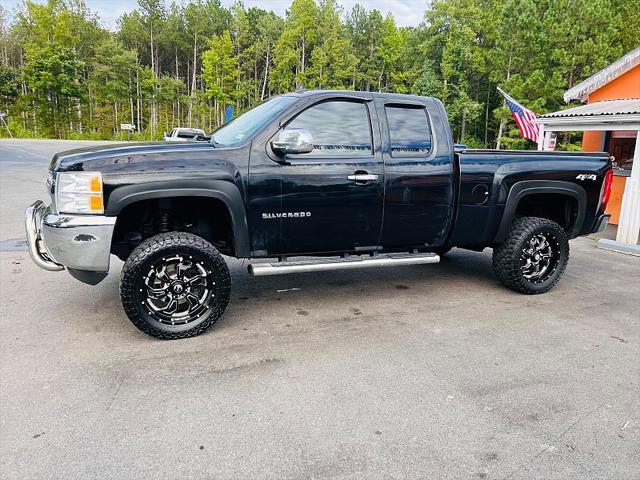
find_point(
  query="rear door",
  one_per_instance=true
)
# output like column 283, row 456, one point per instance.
column 418, row 173
column 332, row 197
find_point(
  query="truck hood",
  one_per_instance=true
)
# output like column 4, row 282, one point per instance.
column 137, row 157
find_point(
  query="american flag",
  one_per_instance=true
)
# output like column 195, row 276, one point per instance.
column 524, row 118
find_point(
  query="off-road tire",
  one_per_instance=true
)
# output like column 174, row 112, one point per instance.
column 156, row 249
column 508, row 256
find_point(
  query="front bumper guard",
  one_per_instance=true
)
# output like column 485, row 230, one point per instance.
column 74, row 242
column 37, row 250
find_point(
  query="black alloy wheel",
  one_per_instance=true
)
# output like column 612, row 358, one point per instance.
column 533, row 257
column 175, row 285
column 539, row 257
column 177, row 289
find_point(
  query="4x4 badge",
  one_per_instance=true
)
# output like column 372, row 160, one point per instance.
column 587, row 176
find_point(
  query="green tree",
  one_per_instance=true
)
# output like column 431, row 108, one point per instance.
column 112, row 83
column 392, row 48
column 293, row 51
column 364, row 30
column 51, row 73
column 220, row 73
column 203, row 19
column 9, row 86
column 451, row 40
column 332, row 60
column 51, row 70
column 268, row 29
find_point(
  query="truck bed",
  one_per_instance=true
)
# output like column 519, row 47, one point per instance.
column 487, row 177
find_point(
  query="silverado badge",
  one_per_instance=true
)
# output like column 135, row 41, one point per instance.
column 266, row 216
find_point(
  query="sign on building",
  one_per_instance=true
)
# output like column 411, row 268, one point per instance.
column 550, row 141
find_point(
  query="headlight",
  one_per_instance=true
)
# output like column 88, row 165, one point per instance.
column 79, row 192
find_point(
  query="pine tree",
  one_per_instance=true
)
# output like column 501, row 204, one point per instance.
column 293, row 51
column 220, row 73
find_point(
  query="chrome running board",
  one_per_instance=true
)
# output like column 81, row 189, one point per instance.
column 346, row 263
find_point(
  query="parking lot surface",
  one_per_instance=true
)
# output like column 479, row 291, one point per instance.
column 431, row 371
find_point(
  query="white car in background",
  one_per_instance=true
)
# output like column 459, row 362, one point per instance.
column 183, row 135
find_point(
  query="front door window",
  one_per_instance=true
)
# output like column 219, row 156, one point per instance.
column 338, row 128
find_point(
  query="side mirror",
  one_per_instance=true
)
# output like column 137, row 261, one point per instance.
column 293, row 140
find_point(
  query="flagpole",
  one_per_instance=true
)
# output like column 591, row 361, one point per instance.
column 498, row 142
column 523, row 116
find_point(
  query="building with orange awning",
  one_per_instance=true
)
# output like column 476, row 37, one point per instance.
column 610, row 121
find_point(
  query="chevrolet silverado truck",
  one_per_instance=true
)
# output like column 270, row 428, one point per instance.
column 305, row 182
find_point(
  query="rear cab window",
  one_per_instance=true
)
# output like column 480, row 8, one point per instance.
column 186, row 135
column 409, row 130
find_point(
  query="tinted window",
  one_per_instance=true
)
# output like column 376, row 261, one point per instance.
column 338, row 128
column 409, row 131
column 186, row 134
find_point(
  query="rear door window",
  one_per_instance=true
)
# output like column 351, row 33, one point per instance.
column 409, row 130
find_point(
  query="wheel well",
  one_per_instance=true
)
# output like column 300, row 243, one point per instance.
column 562, row 209
column 206, row 217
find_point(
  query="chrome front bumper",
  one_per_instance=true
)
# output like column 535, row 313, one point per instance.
column 75, row 242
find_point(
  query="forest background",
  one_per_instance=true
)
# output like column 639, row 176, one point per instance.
column 64, row 75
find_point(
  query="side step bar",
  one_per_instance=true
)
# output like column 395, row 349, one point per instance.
column 347, row 263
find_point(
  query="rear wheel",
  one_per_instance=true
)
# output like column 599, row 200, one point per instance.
column 175, row 285
column 533, row 257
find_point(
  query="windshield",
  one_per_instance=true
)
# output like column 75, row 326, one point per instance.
column 251, row 121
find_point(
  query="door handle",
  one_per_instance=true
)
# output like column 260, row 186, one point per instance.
column 362, row 177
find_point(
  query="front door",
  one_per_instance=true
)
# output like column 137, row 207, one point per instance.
column 332, row 197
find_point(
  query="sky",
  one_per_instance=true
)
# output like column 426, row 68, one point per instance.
column 406, row 12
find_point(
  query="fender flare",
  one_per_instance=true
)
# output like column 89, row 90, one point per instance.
column 530, row 187
column 227, row 192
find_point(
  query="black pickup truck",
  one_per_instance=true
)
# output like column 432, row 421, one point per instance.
column 338, row 179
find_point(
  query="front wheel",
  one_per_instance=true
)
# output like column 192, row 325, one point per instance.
column 533, row 257
column 175, row 285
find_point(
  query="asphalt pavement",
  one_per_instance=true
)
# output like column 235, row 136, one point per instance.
column 432, row 371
